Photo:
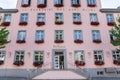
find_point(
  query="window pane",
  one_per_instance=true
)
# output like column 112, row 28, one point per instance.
column 7, row 17
column 59, row 35
column 110, row 18
column 91, row 2
column 78, row 35
column 96, row 35
column 93, row 17
column 21, row 35
column 79, row 55
column 19, row 56
column 59, row 17
column 24, row 17
column 76, row 17
column 38, row 56
column 98, row 55
column 2, row 55
column 41, row 17
column 40, row 35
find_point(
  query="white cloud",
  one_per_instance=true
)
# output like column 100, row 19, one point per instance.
column 110, row 3
column 8, row 3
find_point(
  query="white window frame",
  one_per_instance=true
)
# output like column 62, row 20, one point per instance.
column 19, row 55
column 59, row 35
column 40, row 54
column 21, row 35
column 116, row 55
column 2, row 55
column 24, row 17
column 39, row 35
column 79, row 55
column 99, row 55
column 110, row 17
column 76, row 17
column 78, row 35
column 93, row 17
column 41, row 17
column 92, row 2
column 7, row 18
column 96, row 35
column 59, row 16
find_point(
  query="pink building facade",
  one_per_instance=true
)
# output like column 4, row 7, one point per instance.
column 60, row 35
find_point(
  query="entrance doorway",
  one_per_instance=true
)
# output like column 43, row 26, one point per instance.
column 58, row 60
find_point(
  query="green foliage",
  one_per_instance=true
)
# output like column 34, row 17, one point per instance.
column 3, row 37
column 116, row 33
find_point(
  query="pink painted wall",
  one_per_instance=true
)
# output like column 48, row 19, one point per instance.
column 30, row 46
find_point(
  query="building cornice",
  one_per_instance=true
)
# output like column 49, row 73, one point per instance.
column 110, row 10
column 8, row 10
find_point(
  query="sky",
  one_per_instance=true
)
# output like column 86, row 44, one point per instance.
column 105, row 3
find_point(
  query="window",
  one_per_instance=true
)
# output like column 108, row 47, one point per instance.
column 78, row 36
column 91, row 3
column 112, row 38
column 96, row 36
column 118, row 72
column 39, row 36
column 59, row 18
column 75, row 3
column 41, row 3
column 76, row 18
column 116, row 57
column 94, row 19
column 100, row 73
column 58, row 3
column 38, row 58
column 40, row 19
column 2, row 57
column 19, row 58
column 59, row 36
column 6, row 20
column 98, row 57
column 23, row 19
column 110, row 19
column 26, row 3
column 0, row 18
column 21, row 37
column 79, row 58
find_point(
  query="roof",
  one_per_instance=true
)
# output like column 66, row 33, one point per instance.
column 110, row 10
column 8, row 10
